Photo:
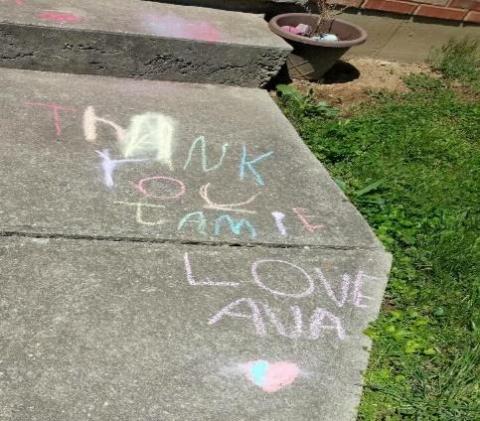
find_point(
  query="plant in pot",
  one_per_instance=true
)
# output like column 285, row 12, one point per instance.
column 319, row 39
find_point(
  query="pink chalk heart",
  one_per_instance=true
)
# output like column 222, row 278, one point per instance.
column 271, row 377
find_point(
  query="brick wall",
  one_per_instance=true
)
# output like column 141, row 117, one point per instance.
column 467, row 11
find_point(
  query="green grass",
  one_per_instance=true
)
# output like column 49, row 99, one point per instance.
column 459, row 59
column 411, row 164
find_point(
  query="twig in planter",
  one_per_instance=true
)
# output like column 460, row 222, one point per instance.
column 327, row 10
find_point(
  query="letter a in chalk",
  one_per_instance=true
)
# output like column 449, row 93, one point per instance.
column 248, row 165
column 150, row 134
column 317, row 325
column 253, row 314
column 195, row 218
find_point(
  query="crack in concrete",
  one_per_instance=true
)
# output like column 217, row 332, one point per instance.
column 57, row 236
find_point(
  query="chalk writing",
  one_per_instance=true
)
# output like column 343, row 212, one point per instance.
column 300, row 212
column 149, row 133
column 201, row 143
column 256, row 278
column 279, row 217
column 90, row 120
column 357, row 292
column 265, row 319
column 317, row 324
column 271, row 377
column 248, row 165
column 321, row 320
column 171, row 25
column 109, row 165
column 235, row 225
column 351, row 294
column 207, row 282
column 253, row 314
column 229, row 207
column 357, row 296
column 60, row 17
column 197, row 218
column 297, row 329
column 55, row 109
column 141, row 186
column 139, row 206
column 346, row 280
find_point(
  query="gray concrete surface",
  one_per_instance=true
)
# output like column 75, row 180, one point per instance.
column 56, row 177
column 117, row 331
column 403, row 39
column 140, row 39
column 145, row 278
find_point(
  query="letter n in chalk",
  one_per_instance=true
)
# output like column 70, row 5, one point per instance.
column 253, row 314
column 201, row 143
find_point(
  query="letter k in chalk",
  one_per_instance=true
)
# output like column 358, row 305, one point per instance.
column 248, row 165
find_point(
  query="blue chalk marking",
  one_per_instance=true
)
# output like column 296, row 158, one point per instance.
column 245, row 164
column 109, row 165
column 258, row 372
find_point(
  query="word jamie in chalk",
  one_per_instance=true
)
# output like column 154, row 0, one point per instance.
column 271, row 377
column 261, row 315
column 59, row 17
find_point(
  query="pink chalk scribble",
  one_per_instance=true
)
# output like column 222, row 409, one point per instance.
column 59, row 17
column 271, row 377
column 171, row 25
column 140, row 186
column 55, row 109
column 19, row 2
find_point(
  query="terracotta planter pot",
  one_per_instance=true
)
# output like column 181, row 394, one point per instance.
column 312, row 59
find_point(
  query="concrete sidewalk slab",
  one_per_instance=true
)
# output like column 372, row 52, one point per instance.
column 106, row 330
column 87, row 156
column 139, row 39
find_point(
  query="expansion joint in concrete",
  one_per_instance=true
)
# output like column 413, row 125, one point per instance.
column 125, row 239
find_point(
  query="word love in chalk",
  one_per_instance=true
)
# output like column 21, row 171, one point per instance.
column 262, row 317
column 271, row 377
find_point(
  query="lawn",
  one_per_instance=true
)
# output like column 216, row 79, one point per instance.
column 411, row 164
